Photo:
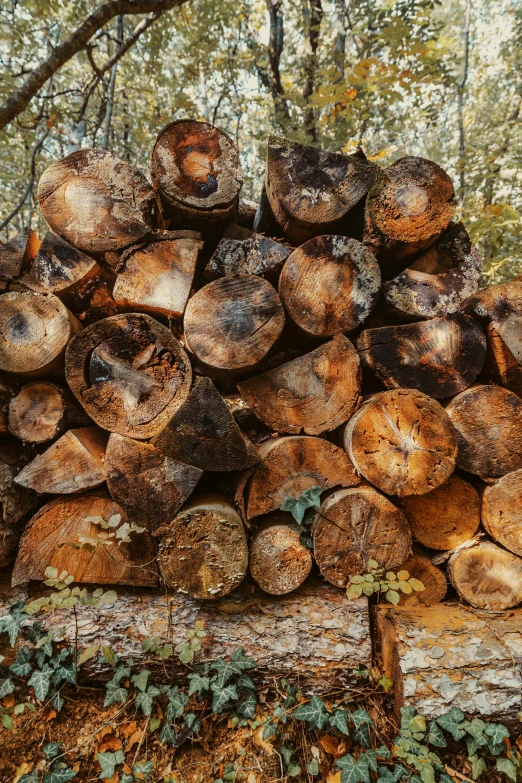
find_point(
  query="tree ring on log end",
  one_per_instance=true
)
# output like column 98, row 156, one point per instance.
column 279, row 562
column 502, row 511
column 487, row 577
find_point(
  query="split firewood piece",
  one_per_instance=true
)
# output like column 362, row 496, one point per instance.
column 313, row 394
column 72, row 464
column 96, row 201
column 246, row 213
column 149, row 486
column 487, row 576
column 402, row 441
column 15, row 501
column 290, row 465
column 196, row 169
column 279, row 562
column 502, row 511
column 17, row 253
column 440, row 280
column 354, row 526
column 311, row 191
column 68, row 534
column 435, row 583
column 157, row 276
column 204, row 433
column 34, row 329
column 204, row 551
column 244, row 252
column 440, row 357
column 264, row 221
column 330, row 285
column 129, row 373
column 446, row 517
column 232, row 323
column 41, row 411
column 409, row 206
column 8, row 389
column 488, row 421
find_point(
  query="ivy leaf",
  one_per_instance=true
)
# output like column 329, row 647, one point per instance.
column 361, row 735
column 115, row 694
column 167, row 735
column 21, row 666
column 245, row 683
column 108, row 762
column 314, row 713
column 313, row 767
column 293, row 769
column 309, row 498
column 361, row 717
column 11, row 624
column 198, row 684
column 478, row 765
column 193, row 722
column 121, row 672
column 64, row 674
column 497, row 732
column 348, row 767
column 435, row 736
column 427, row 773
column 140, row 680
column 40, row 681
column 29, row 779
column 339, row 721
column 7, row 722
column 57, row 701
column 59, row 775
column 247, row 708
column 286, row 753
column 177, row 701
column 507, row 767
column 51, row 750
column 476, row 729
column 143, row 768
column 144, row 702
column 6, row 687
column 222, row 696
column 452, row 721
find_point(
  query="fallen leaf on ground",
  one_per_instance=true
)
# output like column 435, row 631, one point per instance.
column 110, row 742
column 135, row 739
column 24, row 769
column 8, row 701
column 48, row 713
column 334, row 777
column 129, row 729
column 265, row 744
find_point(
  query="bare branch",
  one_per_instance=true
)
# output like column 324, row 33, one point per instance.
column 29, row 187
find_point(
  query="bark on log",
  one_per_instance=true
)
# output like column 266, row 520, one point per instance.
column 15, row 501
column 156, row 276
column 490, row 443
column 204, row 433
column 440, row 280
column 232, row 323
column 487, row 576
column 196, row 169
column 73, row 464
column 502, row 511
column 17, row 253
column 264, row 221
column 354, row 526
column 446, row 517
column 330, row 285
column 97, row 202
column 149, row 486
column 440, row 357
column 41, row 412
column 203, row 552
column 433, row 579
column 290, row 465
column 54, row 536
column 243, row 252
column 402, row 441
column 279, row 562
column 246, row 213
column 129, row 373
column 8, row 389
column 312, row 191
column 314, row 393
column 408, row 207
column 35, row 330
column 452, row 656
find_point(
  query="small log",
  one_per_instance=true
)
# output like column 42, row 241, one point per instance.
column 279, row 562
column 243, row 252
column 408, row 207
column 204, row 552
column 17, row 253
column 8, row 389
column 330, row 285
column 205, row 434
column 451, row 656
column 402, row 442
column 354, row 526
column 312, row 191
column 446, row 517
column 490, row 443
column 56, row 535
column 487, row 576
column 232, row 323
column 96, row 201
column 314, row 393
column 196, row 169
column 129, row 373
column 433, row 579
column 290, row 465
column 264, row 221
column 72, row 464
column 156, row 276
column 440, row 357
column 150, row 487
column 41, row 412
column 15, row 501
column 35, row 330
column 246, row 213
column 502, row 511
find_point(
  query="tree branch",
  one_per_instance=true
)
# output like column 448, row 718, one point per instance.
column 460, row 105
column 16, row 210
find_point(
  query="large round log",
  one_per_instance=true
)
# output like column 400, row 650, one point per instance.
column 402, row 441
column 96, row 201
column 354, row 526
column 502, row 511
column 232, row 323
column 129, row 373
column 41, row 412
column 440, row 357
column 488, row 421
column 242, row 252
column 330, row 285
column 435, row 584
column 15, row 501
column 279, row 562
column 314, row 393
column 487, row 577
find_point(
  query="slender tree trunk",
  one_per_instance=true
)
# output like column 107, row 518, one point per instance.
column 314, row 14
column 460, row 105
column 112, row 85
column 339, row 47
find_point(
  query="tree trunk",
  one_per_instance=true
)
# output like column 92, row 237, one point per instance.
column 487, row 577
column 62, row 534
column 243, row 252
column 17, row 254
column 41, row 412
column 440, row 357
column 330, row 285
column 150, row 487
column 402, row 442
column 157, row 276
column 8, row 390
column 15, row 501
column 433, row 579
column 96, row 201
column 231, row 324
column 312, row 394
column 129, row 373
column 490, row 444
column 204, row 433
column 354, row 526
column 502, row 511
column 204, row 552
column 279, row 562
column 290, row 465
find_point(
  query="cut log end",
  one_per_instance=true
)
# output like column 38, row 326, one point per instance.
column 433, row 579
column 243, row 252
column 41, row 411
column 487, row 577
column 279, row 562
column 502, row 511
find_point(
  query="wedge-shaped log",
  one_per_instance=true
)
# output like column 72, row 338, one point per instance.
column 502, row 511
column 15, row 501
column 312, row 394
column 279, row 561
column 433, row 579
column 243, row 252
column 41, row 411
column 17, row 253
column 487, row 576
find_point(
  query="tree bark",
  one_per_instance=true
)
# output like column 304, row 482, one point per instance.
column 8, row 390
column 279, row 562
column 17, row 254
column 15, row 501
column 487, row 577
column 433, row 579
column 315, row 15
column 41, row 412
column 243, row 252
column 502, row 511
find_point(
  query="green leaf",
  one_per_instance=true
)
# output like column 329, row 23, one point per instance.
column 109, row 761
column 51, row 750
column 144, row 702
column 507, row 767
column 108, row 654
column 115, row 694
column 59, row 775
column 143, row 768
column 427, row 773
column 40, row 681
column 354, row 591
column 167, row 735
column 6, row 687
column 435, row 736
column 417, row 585
column 478, row 765
column 313, row 767
column 247, row 707
column 177, row 701
column 193, row 722
column 21, row 666
column 314, row 713
column 293, row 769
column 286, row 753
column 393, row 597
column 222, row 696
column 339, row 721
column 198, row 684
column 121, row 672
column 361, row 735
column 140, row 679
column 452, row 721
column 88, row 653
column 11, row 624
column 475, row 728
column 361, row 717
column 497, row 732
column 348, row 767
column 29, row 779
column 7, row 722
